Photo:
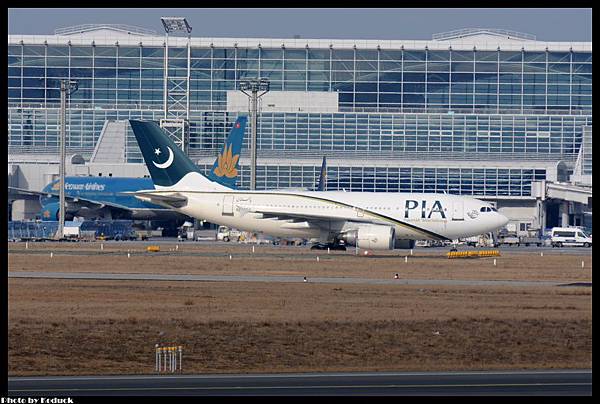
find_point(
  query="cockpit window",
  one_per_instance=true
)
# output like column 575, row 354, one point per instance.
column 487, row 209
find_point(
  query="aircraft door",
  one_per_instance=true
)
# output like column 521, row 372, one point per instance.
column 458, row 210
column 227, row 205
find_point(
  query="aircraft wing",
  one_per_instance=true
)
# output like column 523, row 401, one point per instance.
column 297, row 220
column 73, row 200
column 25, row 193
column 168, row 201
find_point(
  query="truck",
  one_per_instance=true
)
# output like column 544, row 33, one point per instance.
column 142, row 234
column 226, row 234
column 72, row 230
column 509, row 239
column 513, row 239
column 186, row 231
column 532, row 238
column 482, row 240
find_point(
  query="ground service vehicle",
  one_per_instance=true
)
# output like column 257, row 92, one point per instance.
column 224, row 233
column 570, row 236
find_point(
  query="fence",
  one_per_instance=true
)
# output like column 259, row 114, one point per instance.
column 20, row 230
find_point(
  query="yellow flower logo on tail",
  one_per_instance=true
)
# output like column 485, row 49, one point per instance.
column 226, row 163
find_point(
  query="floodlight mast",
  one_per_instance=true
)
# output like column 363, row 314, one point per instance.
column 174, row 24
column 67, row 87
column 254, row 86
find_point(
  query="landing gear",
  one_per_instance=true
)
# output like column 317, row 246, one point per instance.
column 332, row 247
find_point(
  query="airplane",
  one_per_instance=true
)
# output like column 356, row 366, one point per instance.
column 367, row 220
column 105, row 197
column 322, row 185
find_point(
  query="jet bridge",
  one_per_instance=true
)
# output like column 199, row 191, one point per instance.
column 570, row 203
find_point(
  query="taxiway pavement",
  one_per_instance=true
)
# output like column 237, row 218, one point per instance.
column 548, row 383
column 281, row 278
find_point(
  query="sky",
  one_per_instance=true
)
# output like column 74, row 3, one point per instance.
column 326, row 23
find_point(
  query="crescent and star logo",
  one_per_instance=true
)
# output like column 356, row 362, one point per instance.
column 226, row 163
column 167, row 163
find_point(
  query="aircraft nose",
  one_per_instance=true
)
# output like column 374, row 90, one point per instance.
column 502, row 220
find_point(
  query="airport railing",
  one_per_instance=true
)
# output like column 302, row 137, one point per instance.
column 23, row 230
column 197, row 107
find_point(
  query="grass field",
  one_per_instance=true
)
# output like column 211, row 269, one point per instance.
column 193, row 258
column 110, row 327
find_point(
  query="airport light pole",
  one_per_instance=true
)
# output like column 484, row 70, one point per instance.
column 254, row 86
column 174, row 24
column 67, row 87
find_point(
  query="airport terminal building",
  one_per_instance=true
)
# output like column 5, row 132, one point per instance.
column 492, row 114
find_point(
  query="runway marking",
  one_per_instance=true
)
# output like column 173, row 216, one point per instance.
column 299, row 375
column 366, row 386
column 271, row 279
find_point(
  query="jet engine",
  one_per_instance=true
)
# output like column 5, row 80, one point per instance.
column 51, row 211
column 370, row 236
column 405, row 244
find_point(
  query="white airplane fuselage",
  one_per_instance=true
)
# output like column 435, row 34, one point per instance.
column 414, row 216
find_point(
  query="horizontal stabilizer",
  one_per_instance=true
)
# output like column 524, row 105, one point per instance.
column 169, row 201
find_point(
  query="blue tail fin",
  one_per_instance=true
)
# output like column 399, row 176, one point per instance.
column 323, row 176
column 226, row 168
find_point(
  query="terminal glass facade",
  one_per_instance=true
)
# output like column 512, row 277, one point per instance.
column 394, row 104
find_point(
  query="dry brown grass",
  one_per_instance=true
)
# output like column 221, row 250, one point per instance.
column 110, row 327
column 269, row 260
column 117, row 347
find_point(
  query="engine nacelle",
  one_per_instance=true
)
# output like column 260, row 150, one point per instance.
column 51, row 212
column 371, row 236
column 405, row 244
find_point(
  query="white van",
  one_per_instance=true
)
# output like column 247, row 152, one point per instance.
column 569, row 236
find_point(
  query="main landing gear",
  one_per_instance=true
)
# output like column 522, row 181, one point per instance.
column 332, row 247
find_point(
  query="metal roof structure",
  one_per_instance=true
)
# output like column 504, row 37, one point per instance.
column 467, row 32
column 127, row 29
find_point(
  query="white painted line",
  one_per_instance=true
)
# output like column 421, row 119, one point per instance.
column 358, row 386
column 305, row 375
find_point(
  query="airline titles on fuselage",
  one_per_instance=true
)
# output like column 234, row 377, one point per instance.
column 412, row 205
column 88, row 186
